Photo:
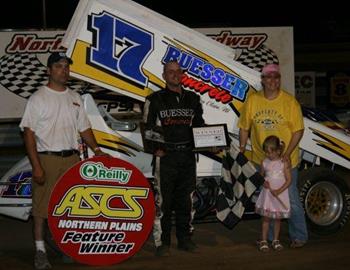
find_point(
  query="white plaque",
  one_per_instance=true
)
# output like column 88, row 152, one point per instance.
column 211, row 136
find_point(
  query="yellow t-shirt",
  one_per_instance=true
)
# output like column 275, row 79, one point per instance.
column 280, row 117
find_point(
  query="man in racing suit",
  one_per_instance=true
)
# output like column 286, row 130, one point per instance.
column 176, row 111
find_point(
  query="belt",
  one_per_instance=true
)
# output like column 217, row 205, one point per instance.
column 63, row 153
column 179, row 146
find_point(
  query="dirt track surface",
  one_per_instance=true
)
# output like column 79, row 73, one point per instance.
column 219, row 248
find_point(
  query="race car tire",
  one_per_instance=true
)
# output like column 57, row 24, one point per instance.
column 326, row 199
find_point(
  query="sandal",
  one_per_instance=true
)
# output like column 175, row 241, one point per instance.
column 263, row 246
column 276, row 245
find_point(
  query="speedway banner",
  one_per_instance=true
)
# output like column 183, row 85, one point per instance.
column 101, row 211
column 23, row 56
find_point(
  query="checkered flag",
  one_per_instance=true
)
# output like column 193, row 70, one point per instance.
column 23, row 74
column 239, row 182
column 258, row 58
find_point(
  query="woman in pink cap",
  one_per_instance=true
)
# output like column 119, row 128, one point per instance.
column 273, row 111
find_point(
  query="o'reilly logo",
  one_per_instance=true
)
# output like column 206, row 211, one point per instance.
column 97, row 171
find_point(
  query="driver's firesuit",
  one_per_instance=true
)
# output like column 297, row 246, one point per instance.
column 175, row 173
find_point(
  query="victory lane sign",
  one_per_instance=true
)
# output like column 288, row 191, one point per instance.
column 101, row 211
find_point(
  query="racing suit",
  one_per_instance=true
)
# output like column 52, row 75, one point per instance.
column 175, row 172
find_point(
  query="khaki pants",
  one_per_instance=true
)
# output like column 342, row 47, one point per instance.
column 54, row 167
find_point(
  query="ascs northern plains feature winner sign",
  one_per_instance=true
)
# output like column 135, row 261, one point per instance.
column 101, row 211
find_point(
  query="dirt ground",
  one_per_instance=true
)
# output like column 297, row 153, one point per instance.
column 219, row 248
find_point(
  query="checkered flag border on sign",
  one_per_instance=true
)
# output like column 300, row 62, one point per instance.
column 23, row 74
column 239, row 181
column 258, row 58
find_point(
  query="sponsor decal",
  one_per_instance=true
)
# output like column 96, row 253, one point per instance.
column 96, row 171
column 101, row 211
column 116, row 143
column 332, row 144
column 207, row 72
column 19, row 186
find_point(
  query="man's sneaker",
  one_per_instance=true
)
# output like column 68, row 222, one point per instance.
column 67, row 259
column 186, row 245
column 41, row 261
column 163, row 251
column 297, row 243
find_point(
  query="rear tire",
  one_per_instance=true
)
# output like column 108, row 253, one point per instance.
column 326, row 200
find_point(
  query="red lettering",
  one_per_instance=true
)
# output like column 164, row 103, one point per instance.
column 35, row 45
column 213, row 92
column 57, row 44
column 205, row 88
column 188, row 81
column 233, row 41
column 46, row 45
column 202, row 88
column 226, row 98
column 19, row 43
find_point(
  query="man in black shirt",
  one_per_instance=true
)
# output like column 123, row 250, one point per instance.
column 175, row 110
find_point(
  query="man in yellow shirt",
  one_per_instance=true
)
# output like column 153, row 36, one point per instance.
column 275, row 112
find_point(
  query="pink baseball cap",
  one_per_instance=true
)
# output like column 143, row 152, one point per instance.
column 270, row 68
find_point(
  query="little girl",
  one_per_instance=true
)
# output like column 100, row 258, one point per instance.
column 273, row 202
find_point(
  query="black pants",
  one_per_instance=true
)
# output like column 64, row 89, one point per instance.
column 177, row 182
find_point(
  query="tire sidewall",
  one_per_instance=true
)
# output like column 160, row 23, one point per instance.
column 307, row 180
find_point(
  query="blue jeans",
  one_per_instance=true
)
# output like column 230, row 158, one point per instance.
column 297, row 228
column 296, row 224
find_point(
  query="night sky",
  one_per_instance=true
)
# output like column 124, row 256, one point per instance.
column 321, row 24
